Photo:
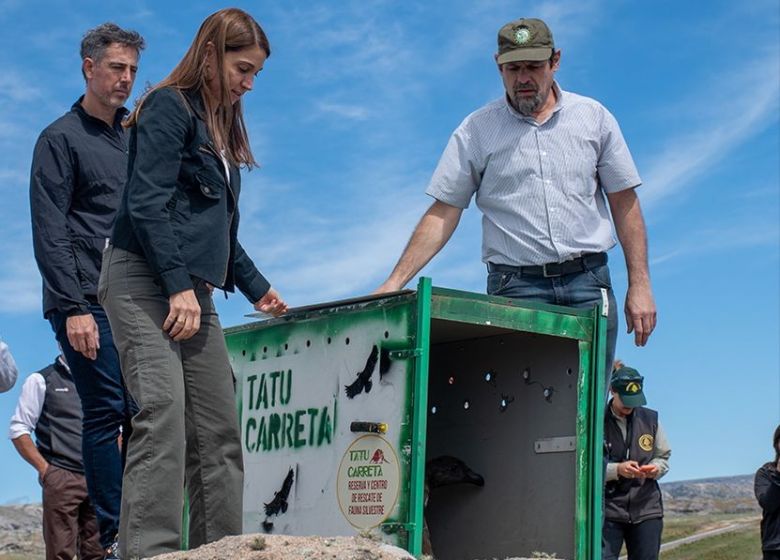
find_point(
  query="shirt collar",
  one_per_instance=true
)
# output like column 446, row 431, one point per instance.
column 560, row 97
column 119, row 116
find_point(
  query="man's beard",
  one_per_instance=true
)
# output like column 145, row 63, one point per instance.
column 529, row 105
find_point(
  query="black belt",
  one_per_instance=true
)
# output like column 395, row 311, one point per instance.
column 551, row 270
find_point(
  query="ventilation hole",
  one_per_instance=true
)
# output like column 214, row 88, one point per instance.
column 328, row 340
column 308, row 343
column 387, row 334
column 243, row 352
column 347, row 341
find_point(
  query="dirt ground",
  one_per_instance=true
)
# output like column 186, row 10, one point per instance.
column 281, row 547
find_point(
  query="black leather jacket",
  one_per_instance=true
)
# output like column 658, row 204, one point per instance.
column 178, row 209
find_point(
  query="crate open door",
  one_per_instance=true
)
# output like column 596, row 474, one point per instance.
column 342, row 404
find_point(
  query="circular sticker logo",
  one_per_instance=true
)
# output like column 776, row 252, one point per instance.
column 633, row 387
column 368, row 481
column 522, row 35
column 646, row 442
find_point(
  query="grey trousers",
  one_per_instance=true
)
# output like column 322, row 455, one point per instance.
column 185, row 393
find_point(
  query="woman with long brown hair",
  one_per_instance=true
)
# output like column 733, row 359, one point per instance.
column 174, row 240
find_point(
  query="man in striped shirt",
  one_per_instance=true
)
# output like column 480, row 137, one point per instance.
column 539, row 162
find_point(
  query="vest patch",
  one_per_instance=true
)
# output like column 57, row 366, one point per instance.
column 646, row 442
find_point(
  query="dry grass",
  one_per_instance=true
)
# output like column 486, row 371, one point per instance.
column 687, row 525
column 743, row 544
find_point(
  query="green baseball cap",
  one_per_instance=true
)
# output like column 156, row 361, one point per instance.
column 525, row 39
column 627, row 383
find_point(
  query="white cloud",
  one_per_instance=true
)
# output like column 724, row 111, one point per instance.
column 344, row 110
column 16, row 88
column 724, row 238
column 732, row 117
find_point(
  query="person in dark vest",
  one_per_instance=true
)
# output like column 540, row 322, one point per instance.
column 767, row 489
column 49, row 406
column 637, row 456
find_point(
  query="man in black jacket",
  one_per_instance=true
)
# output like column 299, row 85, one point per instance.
column 78, row 174
column 638, row 455
column 767, row 488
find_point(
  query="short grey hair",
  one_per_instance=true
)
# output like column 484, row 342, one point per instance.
column 97, row 40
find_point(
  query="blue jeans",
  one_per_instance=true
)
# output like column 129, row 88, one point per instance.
column 106, row 405
column 582, row 289
column 643, row 539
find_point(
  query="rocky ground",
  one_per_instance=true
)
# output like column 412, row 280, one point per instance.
column 280, row 547
column 20, row 529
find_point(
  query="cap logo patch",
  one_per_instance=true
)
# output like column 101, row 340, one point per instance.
column 646, row 442
column 522, row 35
column 633, row 387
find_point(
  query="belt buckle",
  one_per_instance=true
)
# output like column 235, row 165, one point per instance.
column 546, row 274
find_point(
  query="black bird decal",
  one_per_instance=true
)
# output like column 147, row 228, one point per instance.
column 363, row 381
column 384, row 362
column 279, row 503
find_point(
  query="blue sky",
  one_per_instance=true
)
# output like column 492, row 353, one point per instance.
column 349, row 118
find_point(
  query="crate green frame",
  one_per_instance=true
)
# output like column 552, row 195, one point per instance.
column 586, row 326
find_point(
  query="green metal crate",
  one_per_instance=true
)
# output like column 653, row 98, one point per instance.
column 342, row 404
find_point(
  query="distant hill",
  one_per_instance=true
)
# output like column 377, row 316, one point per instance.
column 20, row 531
column 727, row 494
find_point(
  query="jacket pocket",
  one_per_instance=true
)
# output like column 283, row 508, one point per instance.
column 209, row 185
column 88, row 255
column 497, row 281
column 600, row 275
column 209, row 175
